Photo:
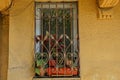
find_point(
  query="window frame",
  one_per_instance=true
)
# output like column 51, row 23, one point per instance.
column 74, row 1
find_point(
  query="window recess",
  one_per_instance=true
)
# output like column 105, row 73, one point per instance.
column 56, row 40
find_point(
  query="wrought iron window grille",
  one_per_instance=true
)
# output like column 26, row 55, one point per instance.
column 57, row 40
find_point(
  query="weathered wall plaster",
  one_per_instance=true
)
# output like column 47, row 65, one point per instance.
column 21, row 40
column 99, row 43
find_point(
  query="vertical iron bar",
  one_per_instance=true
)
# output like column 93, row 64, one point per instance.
column 72, row 33
column 64, row 37
column 42, row 28
column 56, row 37
column 49, row 17
column 78, row 41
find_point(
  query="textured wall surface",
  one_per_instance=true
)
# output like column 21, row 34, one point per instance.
column 99, row 42
column 0, row 42
column 4, row 32
column 21, row 39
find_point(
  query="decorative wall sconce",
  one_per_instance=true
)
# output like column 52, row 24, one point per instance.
column 105, row 8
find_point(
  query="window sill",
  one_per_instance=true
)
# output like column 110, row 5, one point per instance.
column 56, row 78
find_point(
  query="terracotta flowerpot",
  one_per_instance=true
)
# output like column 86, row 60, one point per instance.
column 49, row 71
column 42, row 71
column 52, row 63
column 68, row 62
column 61, row 71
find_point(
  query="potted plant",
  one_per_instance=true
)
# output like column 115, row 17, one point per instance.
column 39, row 65
column 56, row 64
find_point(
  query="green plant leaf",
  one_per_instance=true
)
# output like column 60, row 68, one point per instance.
column 40, row 62
column 37, row 71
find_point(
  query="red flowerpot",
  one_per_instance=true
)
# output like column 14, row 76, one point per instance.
column 52, row 63
column 61, row 71
column 49, row 71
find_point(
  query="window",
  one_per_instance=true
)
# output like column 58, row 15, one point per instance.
column 57, row 41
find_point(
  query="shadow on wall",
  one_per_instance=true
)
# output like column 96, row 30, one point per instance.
column 4, row 37
column 0, row 42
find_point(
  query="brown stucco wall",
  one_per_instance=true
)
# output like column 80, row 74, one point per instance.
column 99, row 42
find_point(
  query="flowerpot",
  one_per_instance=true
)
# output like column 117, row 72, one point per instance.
column 68, row 63
column 62, row 71
column 42, row 71
column 52, row 63
column 75, row 71
column 49, row 71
